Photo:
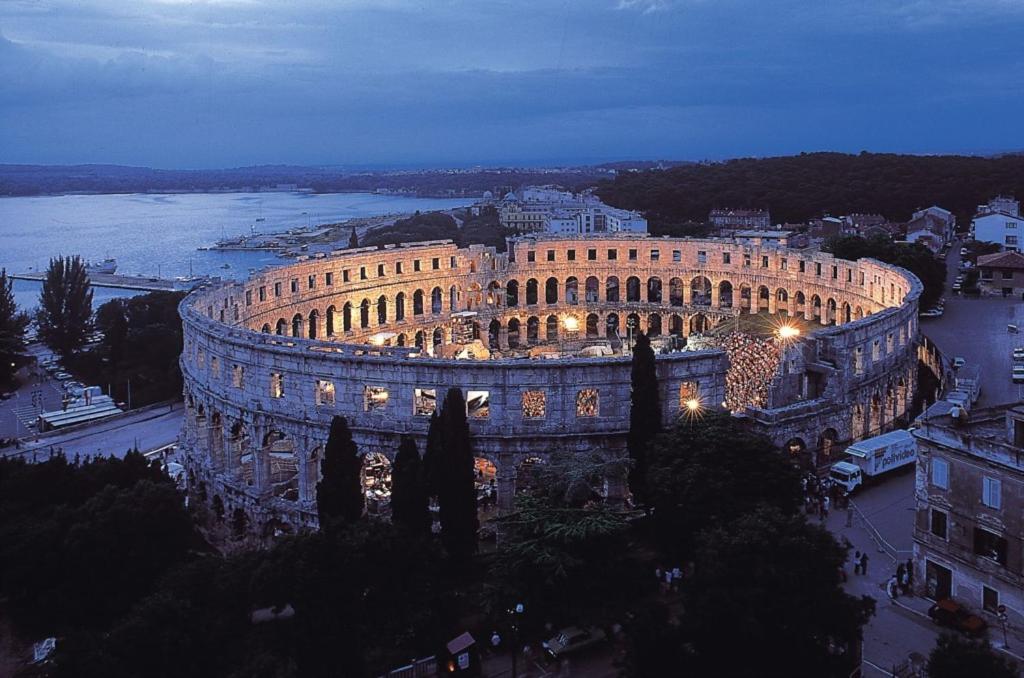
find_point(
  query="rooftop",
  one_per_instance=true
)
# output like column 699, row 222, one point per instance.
column 984, row 434
column 1002, row 260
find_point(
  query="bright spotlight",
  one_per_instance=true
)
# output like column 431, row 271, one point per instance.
column 570, row 323
column 693, row 404
column 788, row 332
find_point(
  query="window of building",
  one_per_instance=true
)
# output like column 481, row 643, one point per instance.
column 215, row 366
column 238, row 376
column 325, row 392
column 632, row 255
column 295, row 285
column 613, row 255
column 362, row 273
column 989, row 599
column 478, row 404
column 587, row 403
column 1011, row 240
column 940, row 524
column 817, row 269
column 591, row 255
column 424, row 401
column 677, row 256
column 655, row 255
column 374, row 398
column 784, row 264
column 689, row 395
column 277, row 289
column 801, row 266
column 746, row 260
column 835, row 273
column 276, row 385
column 263, row 293
column 1007, row 275
column 1011, row 224
column 570, row 255
column 551, row 255
column 248, row 297
column 702, row 257
column 328, row 278
column 399, row 268
column 764, row 261
column 451, row 263
column 534, row 404
column 989, row 545
column 311, row 282
column 200, row 357
column 380, row 270
column 849, row 275
column 991, row 492
column 862, row 279
column 416, row 265
column 345, row 277
column 940, row 473
column 531, row 256
column 726, row 258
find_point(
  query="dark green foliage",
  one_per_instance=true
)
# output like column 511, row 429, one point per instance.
column 339, row 494
column 432, row 455
column 79, row 543
column 12, row 330
column 142, row 340
column 410, row 507
column 456, row 491
column 914, row 257
column 65, row 305
column 956, row 657
column 484, row 229
column 801, row 187
column 353, row 239
column 710, row 471
column 644, row 415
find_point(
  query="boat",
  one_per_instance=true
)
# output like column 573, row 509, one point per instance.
column 108, row 266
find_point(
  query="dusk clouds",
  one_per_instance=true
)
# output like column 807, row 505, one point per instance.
column 197, row 84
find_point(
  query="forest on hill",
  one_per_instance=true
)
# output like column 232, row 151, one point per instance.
column 800, row 187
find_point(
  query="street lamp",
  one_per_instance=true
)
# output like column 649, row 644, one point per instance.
column 515, row 614
column 788, row 332
column 630, row 324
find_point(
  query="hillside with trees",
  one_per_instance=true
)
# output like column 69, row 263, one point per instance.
column 800, row 187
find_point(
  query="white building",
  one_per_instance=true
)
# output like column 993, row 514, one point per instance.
column 931, row 222
column 999, row 222
column 550, row 210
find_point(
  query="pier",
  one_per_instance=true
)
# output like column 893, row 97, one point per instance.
column 124, row 282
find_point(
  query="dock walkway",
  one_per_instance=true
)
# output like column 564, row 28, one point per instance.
column 125, row 282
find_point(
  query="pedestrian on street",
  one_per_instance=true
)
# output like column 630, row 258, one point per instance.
column 904, row 583
column 891, row 588
column 864, row 563
column 856, row 562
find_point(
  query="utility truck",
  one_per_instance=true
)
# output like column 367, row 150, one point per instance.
column 872, row 457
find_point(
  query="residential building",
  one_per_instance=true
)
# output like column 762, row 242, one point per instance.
column 999, row 222
column 543, row 209
column 1001, row 273
column 935, row 220
column 727, row 220
column 760, row 238
column 970, row 508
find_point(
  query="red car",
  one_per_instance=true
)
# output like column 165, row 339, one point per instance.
column 953, row 615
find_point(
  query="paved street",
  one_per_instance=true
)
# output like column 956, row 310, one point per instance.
column 38, row 392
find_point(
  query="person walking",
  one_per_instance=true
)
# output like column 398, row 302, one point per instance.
column 856, row 562
column 891, row 588
column 864, row 563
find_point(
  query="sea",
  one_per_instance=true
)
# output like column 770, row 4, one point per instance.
column 159, row 235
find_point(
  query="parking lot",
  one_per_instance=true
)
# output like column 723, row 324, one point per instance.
column 39, row 392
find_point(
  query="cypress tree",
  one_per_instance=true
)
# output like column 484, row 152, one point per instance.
column 409, row 501
column 353, row 239
column 339, row 494
column 432, row 455
column 12, row 329
column 65, row 305
column 644, row 415
column 456, row 491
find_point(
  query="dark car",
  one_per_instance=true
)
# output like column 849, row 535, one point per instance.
column 952, row 614
column 573, row 639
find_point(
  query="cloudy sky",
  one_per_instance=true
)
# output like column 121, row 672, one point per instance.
column 176, row 83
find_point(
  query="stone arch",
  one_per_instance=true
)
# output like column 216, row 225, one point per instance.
column 375, row 479
column 329, row 320
column 531, row 292
column 401, row 339
column 551, row 291
column 572, row 290
column 700, row 291
column 400, row 306
column 676, row 295
column 815, row 307
column 382, row 310
column 417, row 302
column 846, row 314
column 699, row 324
column 782, row 301
column 297, row 325
column 512, row 293
column 611, row 289
column 654, row 325
column 314, row 323
column 795, row 447
column 611, row 325
column 876, row 422
column 827, row 445
column 745, row 303
column 551, row 328
column 532, row 329
column 453, row 298
column 633, row 326
column 364, row 313
column 801, row 304
column 763, row 298
column 592, row 289
column 654, row 290
column 675, row 325
column 494, row 334
column 266, row 328
column 858, row 312
column 592, row 325
column 725, row 294
column 632, row 289
column 438, row 337
column 419, row 339
column 830, row 311
column 493, row 297
column 436, row 301
column 513, row 333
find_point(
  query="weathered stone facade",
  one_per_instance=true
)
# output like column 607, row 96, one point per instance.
column 270, row 361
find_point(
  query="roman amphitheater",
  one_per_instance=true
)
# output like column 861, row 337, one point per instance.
column 539, row 340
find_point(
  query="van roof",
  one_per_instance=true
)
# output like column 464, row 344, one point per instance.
column 884, row 440
column 845, row 467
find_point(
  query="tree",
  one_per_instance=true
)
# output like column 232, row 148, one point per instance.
column 432, row 455
column 644, row 415
column 409, row 501
column 339, row 494
column 65, row 305
column 353, row 239
column 773, row 580
column 955, row 657
column 712, row 470
column 456, row 490
column 112, row 321
column 12, row 330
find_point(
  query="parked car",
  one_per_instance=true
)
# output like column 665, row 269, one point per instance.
column 963, row 251
column 62, row 376
column 1017, row 373
column 573, row 639
column 952, row 614
column 958, row 362
column 1018, row 353
column 932, row 313
column 957, row 287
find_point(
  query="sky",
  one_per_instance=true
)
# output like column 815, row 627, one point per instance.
column 226, row 83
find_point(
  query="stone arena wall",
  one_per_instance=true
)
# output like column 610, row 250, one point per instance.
column 269, row 361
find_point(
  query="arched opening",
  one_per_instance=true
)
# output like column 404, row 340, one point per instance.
column 376, row 480
column 676, row 296
column 401, row 340
column 592, row 290
column 485, row 480
column 297, row 324
column 654, row 290
column 532, row 329
column 438, row 336
column 419, row 339
column 512, row 293
column 858, row 313
column 551, row 328
column 513, row 333
column 847, row 313
column 382, row 310
column 417, row 302
column 725, row 294
column 493, row 293
column 699, row 324
column 816, row 307
column 782, row 301
column 795, row 448
column 592, row 329
column 400, row 306
column 329, row 320
column 364, row 314
column 830, row 309
column 700, row 291
column 266, row 328
column 801, row 304
column 572, row 290
column 633, row 327
column 453, row 298
column 494, row 335
column 346, row 317
column 826, row 445
column 632, row 289
column 654, row 325
column 744, row 298
column 612, row 326
column 611, row 290
column 531, row 292
column 551, row 291
column 675, row 325
column 763, row 296
column 436, row 299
